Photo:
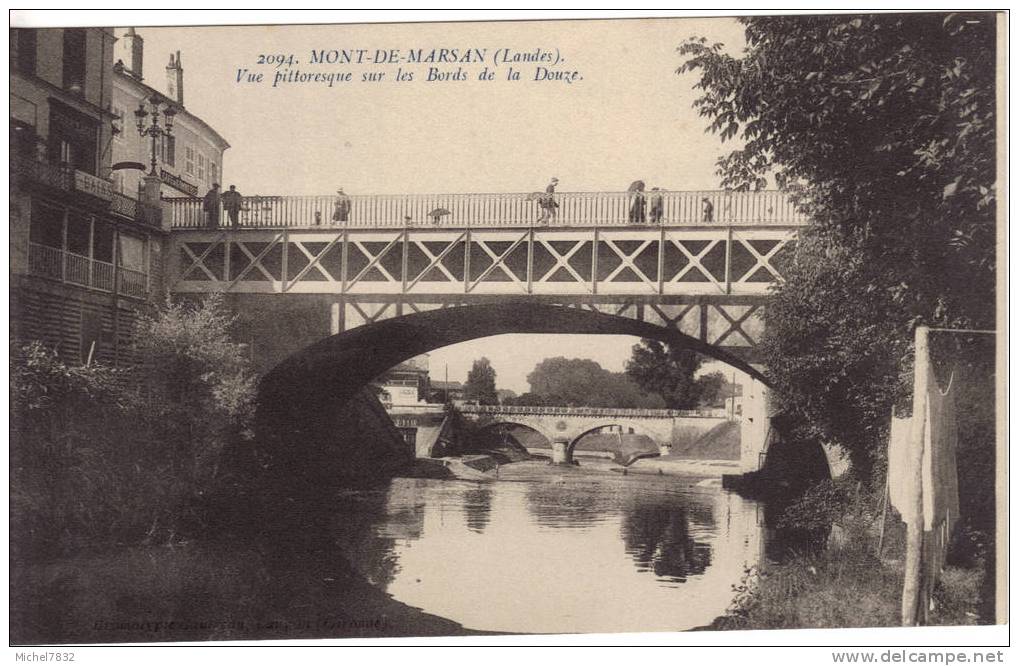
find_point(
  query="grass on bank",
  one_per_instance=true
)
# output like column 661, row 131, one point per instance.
column 849, row 582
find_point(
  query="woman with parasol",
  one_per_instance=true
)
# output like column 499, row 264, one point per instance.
column 637, row 205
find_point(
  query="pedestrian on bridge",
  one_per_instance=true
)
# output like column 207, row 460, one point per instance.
column 232, row 205
column 656, row 206
column 548, row 203
column 341, row 206
column 210, row 205
column 638, row 203
column 707, row 210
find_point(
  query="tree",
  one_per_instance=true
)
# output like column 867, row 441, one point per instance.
column 480, row 384
column 575, row 382
column 666, row 370
column 197, row 386
column 711, row 389
column 882, row 127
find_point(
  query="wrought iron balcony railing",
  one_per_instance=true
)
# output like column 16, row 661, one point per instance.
column 52, row 175
column 567, row 209
column 63, row 177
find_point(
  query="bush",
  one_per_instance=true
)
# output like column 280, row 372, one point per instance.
column 101, row 456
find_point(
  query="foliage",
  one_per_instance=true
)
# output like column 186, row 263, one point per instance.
column 808, row 589
column 882, row 126
column 712, row 389
column 574, row 382
column 102, row 455
column 198, row 390
column 667, row 370
column 480, row 384
column 80, row 471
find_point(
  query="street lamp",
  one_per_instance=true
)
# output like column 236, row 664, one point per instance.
column 154, row 130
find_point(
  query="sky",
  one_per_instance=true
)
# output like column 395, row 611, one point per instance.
column 626, row 115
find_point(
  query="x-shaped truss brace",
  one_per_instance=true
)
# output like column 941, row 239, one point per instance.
column 498, row 261
column 736, row 323
column 694, row 261
column 761, row 260
column 563, row 261
column 435, row 260
column 626, row 261
column 198, row 261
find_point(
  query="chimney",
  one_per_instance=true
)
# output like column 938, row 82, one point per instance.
column 175, row 79
column 131, row 47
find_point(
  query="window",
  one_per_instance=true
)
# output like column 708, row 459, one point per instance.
column 118, row 181
column 74, row 138
column 102, row 242
column 47, row 225
column 132, row 253
column 201, row 167
column 189, row 160
column 169, row 148
column 213, row 174
column 79, row 233
column 23, row 139
column 25, row 40
column 74, row 59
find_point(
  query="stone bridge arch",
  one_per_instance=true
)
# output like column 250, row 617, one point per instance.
column 659, row 433
column 324, row 375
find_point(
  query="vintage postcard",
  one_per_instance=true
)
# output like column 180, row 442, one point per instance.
column 339, row 329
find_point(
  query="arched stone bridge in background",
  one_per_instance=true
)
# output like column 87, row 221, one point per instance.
column 327, row 304
column 563, row 427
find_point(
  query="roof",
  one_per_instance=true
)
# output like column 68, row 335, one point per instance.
column 446, row 385
column 121, row 74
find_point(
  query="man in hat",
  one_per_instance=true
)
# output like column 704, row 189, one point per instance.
column 656, row 205
column 707, row 210
column 210, row 205
column 341, row 206
column 232, row 205
column 548, row 203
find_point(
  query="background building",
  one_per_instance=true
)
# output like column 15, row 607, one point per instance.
column 406, row 384
column 188, row 162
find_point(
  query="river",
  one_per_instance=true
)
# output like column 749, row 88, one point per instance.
column 556, row 550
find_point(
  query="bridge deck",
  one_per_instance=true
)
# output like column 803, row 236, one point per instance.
column 459, row 211
column 595, row 412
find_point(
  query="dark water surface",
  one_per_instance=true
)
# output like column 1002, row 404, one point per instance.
column 553, row 550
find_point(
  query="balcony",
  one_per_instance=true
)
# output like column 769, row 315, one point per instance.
column 72, row 268
column 100, row 192
column 43, row 173
column 458, row 211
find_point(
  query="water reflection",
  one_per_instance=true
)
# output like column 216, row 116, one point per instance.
column 559, row 552
column 658, row 535
column 477, row 503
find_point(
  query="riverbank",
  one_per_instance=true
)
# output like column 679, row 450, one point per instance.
column 207, row 591
column 811, row 591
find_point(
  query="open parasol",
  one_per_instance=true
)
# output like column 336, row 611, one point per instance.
column 437, row 213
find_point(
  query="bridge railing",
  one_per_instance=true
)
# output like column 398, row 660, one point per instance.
column 598, row 412
column 570, row 209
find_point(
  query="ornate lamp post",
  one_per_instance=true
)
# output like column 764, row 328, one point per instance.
column 155, row 130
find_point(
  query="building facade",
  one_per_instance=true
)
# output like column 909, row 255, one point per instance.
column 86, row 255
column 189, row 161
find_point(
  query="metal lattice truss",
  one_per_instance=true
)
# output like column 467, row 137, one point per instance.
column 635, row 261
column 735, row 322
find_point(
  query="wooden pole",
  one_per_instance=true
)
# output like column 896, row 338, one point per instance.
column 884, row 517
column 911, row 585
